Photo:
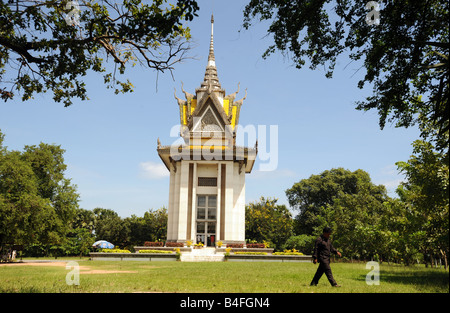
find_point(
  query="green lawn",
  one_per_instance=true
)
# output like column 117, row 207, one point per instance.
column 134, row 276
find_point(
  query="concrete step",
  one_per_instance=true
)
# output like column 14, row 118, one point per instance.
column 202, row 255
column 202, row 258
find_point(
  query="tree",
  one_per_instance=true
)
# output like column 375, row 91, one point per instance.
column 48, row 45
column 110, row 226
column 426, row 192
column 151, row 227
column 405, row 57
column 24, row 215
column 267, row 221
column 157, row 222
column 302, row 243
column 37, row 203
column 315, row 197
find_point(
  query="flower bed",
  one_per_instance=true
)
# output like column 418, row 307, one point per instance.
column 155, row 251
column 288, row 252
column 235, row 245
column 250, row 253
column 115, row 251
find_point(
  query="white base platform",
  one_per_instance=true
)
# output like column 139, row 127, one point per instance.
column 203, row 255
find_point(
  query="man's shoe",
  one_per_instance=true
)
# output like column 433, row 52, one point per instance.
column 336, row 285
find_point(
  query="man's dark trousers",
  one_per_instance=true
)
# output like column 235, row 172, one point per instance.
column 324, row 267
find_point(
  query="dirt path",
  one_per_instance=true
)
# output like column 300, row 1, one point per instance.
column 83, row 269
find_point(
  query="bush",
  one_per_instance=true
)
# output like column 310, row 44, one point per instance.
column 153, row 243
column 235, row 245
column 154, row 251
column 303, row 243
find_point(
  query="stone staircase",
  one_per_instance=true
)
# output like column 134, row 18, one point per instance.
column 202, row 255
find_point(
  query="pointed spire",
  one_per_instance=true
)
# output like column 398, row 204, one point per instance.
column 211, row 81
column 211, row 58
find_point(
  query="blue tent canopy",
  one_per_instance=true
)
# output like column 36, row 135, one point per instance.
column 103, row 244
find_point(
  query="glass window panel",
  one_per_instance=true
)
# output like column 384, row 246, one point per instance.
column 211, row 213
column 211, row 228
column 201, row 201
column 212, row 201
column 201, row 227
column 201, row 213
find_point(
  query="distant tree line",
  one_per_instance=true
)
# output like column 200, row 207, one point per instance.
column 39, row 209
column 367, row 224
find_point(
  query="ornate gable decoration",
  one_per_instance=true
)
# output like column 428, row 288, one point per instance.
column 209, row 110
column 208, row 122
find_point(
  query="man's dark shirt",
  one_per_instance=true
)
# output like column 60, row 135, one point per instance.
column 322, row 249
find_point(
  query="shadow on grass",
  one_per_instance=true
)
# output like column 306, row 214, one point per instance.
column 431, row 280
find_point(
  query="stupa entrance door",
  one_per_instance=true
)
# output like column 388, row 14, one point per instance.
column 206, row 219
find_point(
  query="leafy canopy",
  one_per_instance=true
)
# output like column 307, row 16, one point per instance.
column 48, row 45
column 405, row 57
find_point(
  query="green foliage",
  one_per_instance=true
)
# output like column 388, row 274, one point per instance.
column 267, row 221
column 79, row 242
column 366, row 223
column 109, row 226
column 337, row 191
column 304, row 243
column 39, row 208
column 40, row 51
column 426, row 198
column 37, row 203
column 405, row 57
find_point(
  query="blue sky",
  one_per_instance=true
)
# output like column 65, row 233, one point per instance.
column 110, row 140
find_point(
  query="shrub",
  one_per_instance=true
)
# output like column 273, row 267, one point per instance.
column 235, row 245
column 154, row 251
column 303, row 243
column 153, row 243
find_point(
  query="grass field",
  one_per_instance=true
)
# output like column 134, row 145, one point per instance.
column 242, row 277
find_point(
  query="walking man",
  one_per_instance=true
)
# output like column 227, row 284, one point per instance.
column 322, row 250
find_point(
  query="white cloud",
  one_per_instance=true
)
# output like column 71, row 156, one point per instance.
column 390, row 177
column 153, row 170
